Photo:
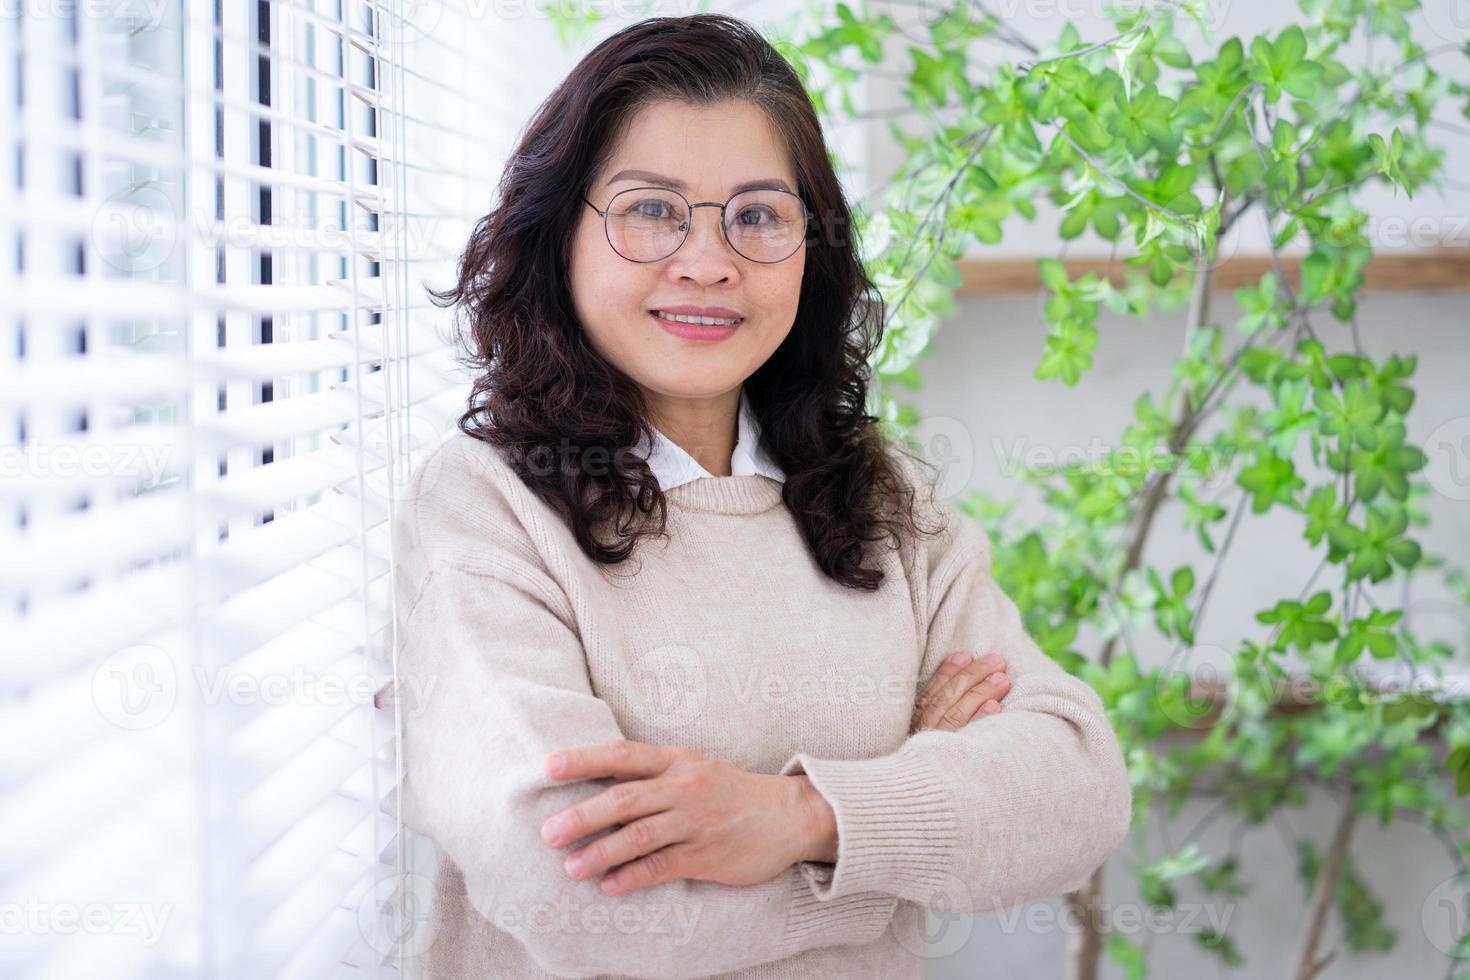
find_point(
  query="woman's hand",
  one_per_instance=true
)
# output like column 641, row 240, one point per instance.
column 958, row 692
column 683, row 816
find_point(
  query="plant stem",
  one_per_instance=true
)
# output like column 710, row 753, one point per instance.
column 1121, row 184
column 1307, row 963
column 1204, row 594
column 1183, row 426
column 1025, row 68
column 982, row 138
column 1009, row 35
column 1084, row 945
column 1084, row 949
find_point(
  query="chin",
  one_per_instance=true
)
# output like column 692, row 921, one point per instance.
column 686, row 387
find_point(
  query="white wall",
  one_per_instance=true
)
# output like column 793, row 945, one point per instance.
column 979, row 374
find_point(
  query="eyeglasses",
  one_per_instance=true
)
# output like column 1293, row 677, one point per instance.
column 645, row 224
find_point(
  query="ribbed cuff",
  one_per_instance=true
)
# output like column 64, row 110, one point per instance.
column 896, row 825
column 854, row 920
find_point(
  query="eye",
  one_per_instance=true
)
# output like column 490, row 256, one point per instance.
column 757, row 212
column 652, row 208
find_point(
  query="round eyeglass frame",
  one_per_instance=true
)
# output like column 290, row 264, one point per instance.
column 607, row 231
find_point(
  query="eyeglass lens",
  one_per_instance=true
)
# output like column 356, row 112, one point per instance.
column 649, row 223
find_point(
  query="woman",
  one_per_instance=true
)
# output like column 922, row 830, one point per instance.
column 671, row 551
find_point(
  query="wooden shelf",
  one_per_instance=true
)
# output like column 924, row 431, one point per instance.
column 1447, row 268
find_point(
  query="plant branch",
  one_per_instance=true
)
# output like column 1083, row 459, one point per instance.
column 1208, row 587
column 1314, row 198
column 1307, row 963
column 1026, row 67
column 1005, row 32
column 1098, row 166
column 942, row 202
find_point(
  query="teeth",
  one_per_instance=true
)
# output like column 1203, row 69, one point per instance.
column 708, row 321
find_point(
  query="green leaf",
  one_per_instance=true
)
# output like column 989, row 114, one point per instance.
column 1373, row 634
column 1354, row 419
column 1302, row 624
column 1270, row 479
column 1053, row 274
column 1458, row 763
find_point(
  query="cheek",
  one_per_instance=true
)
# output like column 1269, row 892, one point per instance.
column 597, row 280
column 784, row 288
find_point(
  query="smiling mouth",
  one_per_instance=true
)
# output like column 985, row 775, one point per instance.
column 698, row 321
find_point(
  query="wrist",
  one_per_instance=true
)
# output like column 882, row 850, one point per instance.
column 817, row 820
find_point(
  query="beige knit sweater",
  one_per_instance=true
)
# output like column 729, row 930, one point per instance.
column 726, row 638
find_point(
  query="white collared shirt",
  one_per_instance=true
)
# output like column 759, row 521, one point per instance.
column 671, row 465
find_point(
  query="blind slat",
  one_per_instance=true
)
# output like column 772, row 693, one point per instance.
column 218, row 366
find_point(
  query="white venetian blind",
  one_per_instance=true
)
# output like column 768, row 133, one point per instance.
column 217, row 365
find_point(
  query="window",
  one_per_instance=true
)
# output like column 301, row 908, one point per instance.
column 217, row 366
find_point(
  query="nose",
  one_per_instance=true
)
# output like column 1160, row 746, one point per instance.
column 710, row 240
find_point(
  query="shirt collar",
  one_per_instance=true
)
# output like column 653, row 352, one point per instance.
column 672, row 466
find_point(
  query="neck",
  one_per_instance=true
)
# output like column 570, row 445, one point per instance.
column 705, row 428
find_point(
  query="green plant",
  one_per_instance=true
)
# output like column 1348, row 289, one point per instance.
column 1162, row 154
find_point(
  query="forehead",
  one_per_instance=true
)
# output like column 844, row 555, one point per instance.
column 703, row 151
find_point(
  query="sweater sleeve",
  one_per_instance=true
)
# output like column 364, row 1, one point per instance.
column 1014, row 806
column 497, row 680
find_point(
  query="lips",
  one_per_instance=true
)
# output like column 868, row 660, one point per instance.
column 712, row 312
column 695, row 331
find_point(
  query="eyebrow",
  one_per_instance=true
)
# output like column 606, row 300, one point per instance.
column 766, row 183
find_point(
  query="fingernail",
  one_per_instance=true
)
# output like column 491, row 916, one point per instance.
column 960, row 659
column 551, row 830
column 990, row 707
column 574, row 866
column 993, row 660
column 558, row 762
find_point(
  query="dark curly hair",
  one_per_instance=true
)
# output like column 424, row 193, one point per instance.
column 540, row 387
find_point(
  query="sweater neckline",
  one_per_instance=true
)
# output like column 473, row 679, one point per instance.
column 750, row 493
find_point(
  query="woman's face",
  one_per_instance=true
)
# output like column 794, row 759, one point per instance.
column 709, row 151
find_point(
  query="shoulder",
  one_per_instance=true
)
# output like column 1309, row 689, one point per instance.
column 463, row 473
column 946, row 534
column 464, row 497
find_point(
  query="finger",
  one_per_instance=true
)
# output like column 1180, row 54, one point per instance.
column 620, row 803
column 635, row 840
column 968, row 706
column 934, row 687
column 620, row 758
column 654, row 869
column 949, row 668
column 971, row 675
column 962, row 712
column 943, row 693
